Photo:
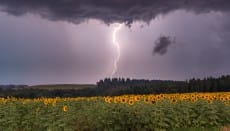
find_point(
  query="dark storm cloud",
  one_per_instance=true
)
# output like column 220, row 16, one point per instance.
column 162, row 44
column 108, row 11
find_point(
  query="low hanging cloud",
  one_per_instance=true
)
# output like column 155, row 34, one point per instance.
column 108, row 11
column 162, row 44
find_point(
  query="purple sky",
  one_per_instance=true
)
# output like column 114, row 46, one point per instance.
column 42, row 45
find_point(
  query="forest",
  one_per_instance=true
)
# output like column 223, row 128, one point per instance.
column 121, row 86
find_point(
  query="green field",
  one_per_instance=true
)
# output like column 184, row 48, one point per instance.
column 163, row 112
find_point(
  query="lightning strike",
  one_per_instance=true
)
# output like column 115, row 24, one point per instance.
column 116, row 44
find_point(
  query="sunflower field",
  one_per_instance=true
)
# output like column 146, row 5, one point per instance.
column 121, row 113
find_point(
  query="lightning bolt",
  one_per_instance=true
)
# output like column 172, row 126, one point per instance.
column 116, row 44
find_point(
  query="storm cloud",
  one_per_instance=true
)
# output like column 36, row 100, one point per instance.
column 108, row 11
column 66, row 41
column 162, row 44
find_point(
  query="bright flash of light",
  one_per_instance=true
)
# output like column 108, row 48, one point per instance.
column 117, row 46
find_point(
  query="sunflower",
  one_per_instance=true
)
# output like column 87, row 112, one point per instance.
column 123, row 100
column 131, row 102
column 146, row 100
column 225, row 99
column 65, row 108
column 193, row 96
column 110, row 100
column 116, row 99
column 162, row 95
column 193, row 100
column 228, row 98
column 153, row 101
column 203, row 97
column 46, row 102
column 173, row 100
column 137, row 98
column 221, row 98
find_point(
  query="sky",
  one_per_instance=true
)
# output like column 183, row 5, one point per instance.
column 72, row 41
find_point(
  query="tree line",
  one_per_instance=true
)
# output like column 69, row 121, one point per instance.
column 134, row 86
column 121, row 86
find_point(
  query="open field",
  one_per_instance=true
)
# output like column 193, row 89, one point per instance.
column 62, row 86
column 128, row 112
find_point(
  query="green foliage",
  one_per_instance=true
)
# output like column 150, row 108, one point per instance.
column 87, row 115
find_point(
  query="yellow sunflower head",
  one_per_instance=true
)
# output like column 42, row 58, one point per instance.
column 65, row 108
column 131, row 102
column 146, row 100
column 123, row 100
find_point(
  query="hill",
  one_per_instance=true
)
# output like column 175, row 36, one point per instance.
column 62, row 86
